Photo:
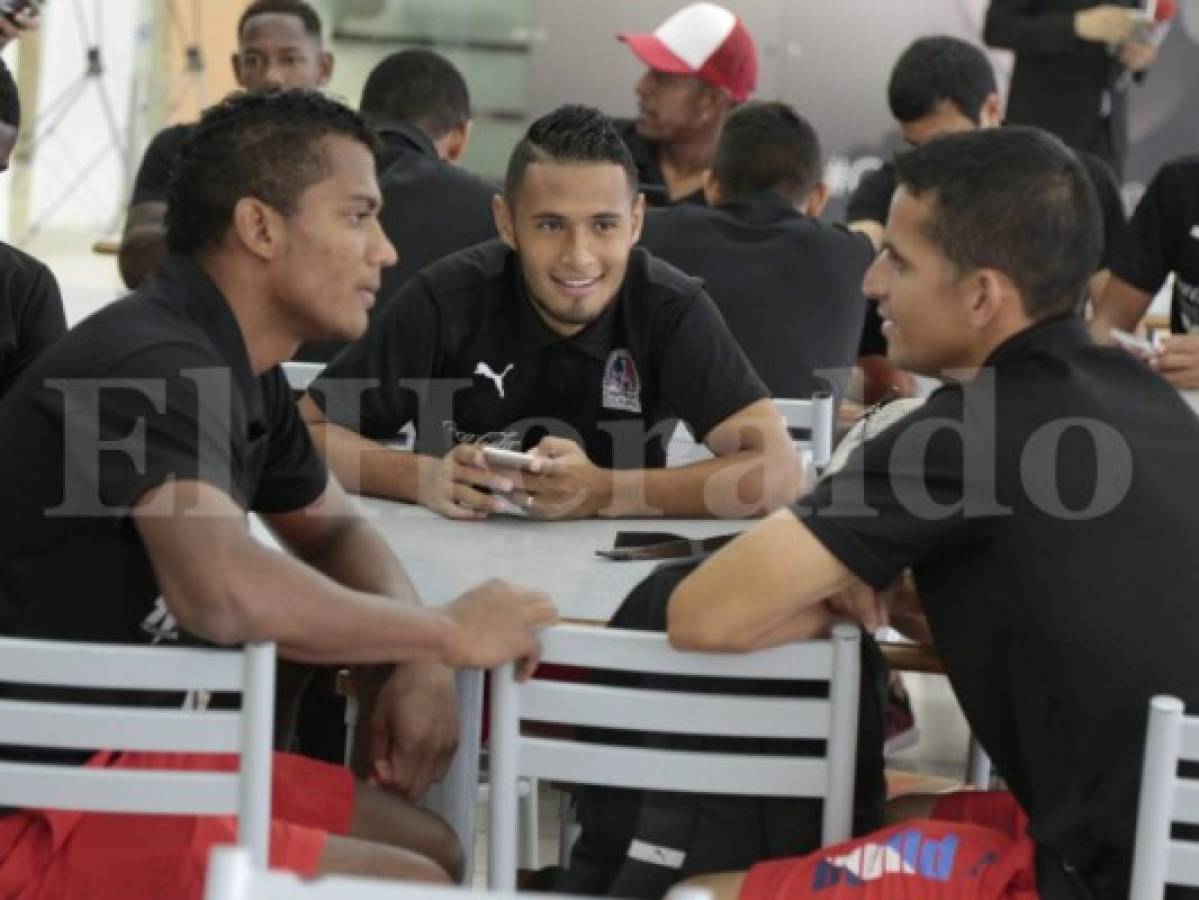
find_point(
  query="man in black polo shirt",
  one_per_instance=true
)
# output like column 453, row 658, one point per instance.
column 788, row 285
column 701, row 61
column 994, row 498
column 1162, row 239
column 31, row 313
column 560, row 338
column 279, row 46
column 942, row 85
column 133, row 449
column 419, row 106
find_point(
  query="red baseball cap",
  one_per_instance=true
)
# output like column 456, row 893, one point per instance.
column 704, row 40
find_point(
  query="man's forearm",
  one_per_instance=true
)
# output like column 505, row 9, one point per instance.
column 366, row 467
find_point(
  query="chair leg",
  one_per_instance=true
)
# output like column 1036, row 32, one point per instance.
column 568, row 827
column 529, row 825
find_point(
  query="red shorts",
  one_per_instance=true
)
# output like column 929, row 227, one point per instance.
column 61, row 854
column 974, row 846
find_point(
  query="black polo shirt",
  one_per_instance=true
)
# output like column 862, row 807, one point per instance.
column 31, row 314
column 1055, row 625
column 158, row 162
column 649, row 173
column 465, row 325
column 1163, row 237
column 871, row 202
column 789, row 286
column 430, row 209
column 72, row 566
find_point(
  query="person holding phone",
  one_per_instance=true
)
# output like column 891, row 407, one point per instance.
column 562, row 338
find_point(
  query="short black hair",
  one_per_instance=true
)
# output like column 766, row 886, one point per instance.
column 767, row 146
column 570, row 134
column 939, row 68
column 1014, row 199
column 10, row 100
column 298, row 8
column 263, row 144
column 417, row 86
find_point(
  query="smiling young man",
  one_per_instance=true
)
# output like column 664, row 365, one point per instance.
column 563, row 338
column 987, row 517
column 700, row 63
column 279, row 47
column 134, row 448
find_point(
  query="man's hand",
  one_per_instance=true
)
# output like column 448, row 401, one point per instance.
column 414, row 728
column 862, row 604
column 1178, row 361
column 1137, row 56
column 498, row 623
column 569, row 486
column 1105, row 24
column 451, row 485
column 11, row 29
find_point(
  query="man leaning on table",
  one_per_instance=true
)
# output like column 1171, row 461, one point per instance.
column 564, row 339
column 133, row 449
column 986, row 519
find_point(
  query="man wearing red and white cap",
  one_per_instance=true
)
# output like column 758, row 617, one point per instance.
column 701, row 61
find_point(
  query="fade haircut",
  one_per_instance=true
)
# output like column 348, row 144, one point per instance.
column 767, row 147
column 940, row 68
column 298, row 8
column 1013, row 199
column 420, row 87
column 10, row 100
column 263, row 145
column 570, row 134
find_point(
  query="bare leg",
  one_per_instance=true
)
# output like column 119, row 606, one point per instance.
column 365, row 859
column 384, row 818
column 722, row 886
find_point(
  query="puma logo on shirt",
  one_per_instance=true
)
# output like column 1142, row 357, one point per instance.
column 486, row 371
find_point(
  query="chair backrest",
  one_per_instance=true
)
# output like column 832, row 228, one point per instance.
column 1166, row 798
column 232, row 876
column 816, row 416
column 833, row 720
column 301, row 374
column 89, row 726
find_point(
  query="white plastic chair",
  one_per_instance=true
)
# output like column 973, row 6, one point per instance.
column 816, row 415
column 85, row 726
column 1166, row 798
column 232, row 876
column 301, row 374
column 834, row 720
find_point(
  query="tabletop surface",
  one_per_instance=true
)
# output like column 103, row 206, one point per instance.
column 445, row 557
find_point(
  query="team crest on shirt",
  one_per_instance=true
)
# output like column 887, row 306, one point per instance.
column 621, row 387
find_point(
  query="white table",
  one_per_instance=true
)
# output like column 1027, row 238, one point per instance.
column 444, row 558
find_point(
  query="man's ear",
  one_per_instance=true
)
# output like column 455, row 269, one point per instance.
column 326, row 68
column 637, row 218
column 711, row 188
column 504, row 224
column 993, row 297
column 816, row 200
column 451, row 145
column 258, row 228
column 991, row 113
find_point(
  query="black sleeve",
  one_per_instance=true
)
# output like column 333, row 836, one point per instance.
column 360, row 389
column 871, row 200
column 151, row 402
column 40, row 319
column 153, row 175
column 1023, row 26
column 295, row 475
column 902, row 498
column 706, row 376
column 1149, row 248
column 1111, row 204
